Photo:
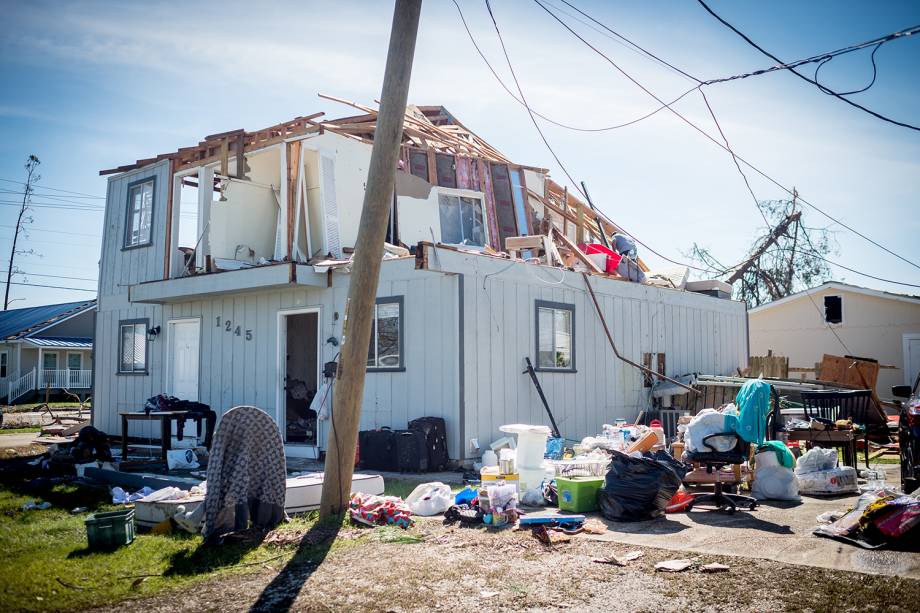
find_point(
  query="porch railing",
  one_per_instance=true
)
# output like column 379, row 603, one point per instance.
column 20, row 386
column 66, row 379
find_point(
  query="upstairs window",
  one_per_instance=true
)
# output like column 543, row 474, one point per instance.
column 386, row 348
column 133, row 347
column 140, row 213
column 461, row 220
column 833, row 309
column 555, row 336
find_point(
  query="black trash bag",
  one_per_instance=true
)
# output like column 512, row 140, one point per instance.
column 637, row 489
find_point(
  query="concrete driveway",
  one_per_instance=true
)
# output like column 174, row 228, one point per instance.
column 780, row 531
column 15, row 441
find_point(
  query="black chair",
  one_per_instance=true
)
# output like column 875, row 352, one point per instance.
column 715, row 460
column 848, row 404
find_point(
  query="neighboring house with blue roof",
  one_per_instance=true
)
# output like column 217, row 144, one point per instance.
column 50, row 345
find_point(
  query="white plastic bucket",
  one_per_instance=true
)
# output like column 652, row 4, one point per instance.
column 531, row 445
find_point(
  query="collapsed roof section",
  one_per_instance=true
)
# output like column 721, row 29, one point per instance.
column 514, row 200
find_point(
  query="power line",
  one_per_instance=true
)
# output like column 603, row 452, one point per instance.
column 803, row 77
column 626, row 40
column 540, row 115
column 550, row 148
column 721, row 145
column 36, row 193
column 35, row 274
column 76, row 289
column 57, row 207
column 31, row 229
column 57, row 189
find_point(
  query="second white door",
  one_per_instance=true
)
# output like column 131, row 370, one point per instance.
column 183, row 358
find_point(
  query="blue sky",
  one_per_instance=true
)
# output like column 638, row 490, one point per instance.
column 92, row 85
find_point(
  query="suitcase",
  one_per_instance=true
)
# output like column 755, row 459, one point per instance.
column 435, row 431
column 411, row 451
column 378, row 449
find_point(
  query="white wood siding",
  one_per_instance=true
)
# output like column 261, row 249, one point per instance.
column 696, row 333
column 235, row 371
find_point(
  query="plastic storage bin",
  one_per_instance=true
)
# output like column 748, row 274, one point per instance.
column 578, row 494
column 611, row 259
column 110, row 530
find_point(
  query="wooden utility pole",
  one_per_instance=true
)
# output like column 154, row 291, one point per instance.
column 359, row 308
column 772, row 238
column 31, row 178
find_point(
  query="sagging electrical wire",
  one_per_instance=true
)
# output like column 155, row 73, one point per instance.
column 814, row 82
column 717, row 143
column 553, row 152
column 542, row 116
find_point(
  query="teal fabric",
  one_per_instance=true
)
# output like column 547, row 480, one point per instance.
column 753, row 402
column 782, row 452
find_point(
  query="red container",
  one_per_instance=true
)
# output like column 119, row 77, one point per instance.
column 613, row 258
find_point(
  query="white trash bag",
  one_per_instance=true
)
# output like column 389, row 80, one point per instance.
column 815, row 460
column 775, row 483
column 430, row 499
column 829, row 482
column 182, row 458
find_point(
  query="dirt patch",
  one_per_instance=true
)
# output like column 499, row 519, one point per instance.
column 451, row 568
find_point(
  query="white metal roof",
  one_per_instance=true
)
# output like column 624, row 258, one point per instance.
column 843, row 287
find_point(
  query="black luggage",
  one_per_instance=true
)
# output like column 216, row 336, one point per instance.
column 435, row 431
column 411, row 451
column 377, row 449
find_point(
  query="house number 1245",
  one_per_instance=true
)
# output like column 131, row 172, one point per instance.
column 228, row 326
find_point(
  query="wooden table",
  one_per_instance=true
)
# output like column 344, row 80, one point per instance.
column 165, row 418
column 845, row 439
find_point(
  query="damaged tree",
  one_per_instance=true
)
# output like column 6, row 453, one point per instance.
column 21, row 220
column 791, row 256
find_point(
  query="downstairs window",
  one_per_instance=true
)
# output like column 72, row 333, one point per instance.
column 386, row 348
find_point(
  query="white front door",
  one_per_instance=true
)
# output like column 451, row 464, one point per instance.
column 184, row 336
column 911, row 358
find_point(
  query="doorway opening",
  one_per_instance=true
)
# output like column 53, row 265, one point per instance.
column 301, row 377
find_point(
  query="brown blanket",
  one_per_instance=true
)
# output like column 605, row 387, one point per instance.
column 246, row 474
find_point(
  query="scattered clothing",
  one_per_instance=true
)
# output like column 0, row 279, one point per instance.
column 246, row 474
column 120, row 496
column 372, row 510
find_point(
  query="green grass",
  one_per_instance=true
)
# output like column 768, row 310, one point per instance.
column 22, row 430
column 42, row 547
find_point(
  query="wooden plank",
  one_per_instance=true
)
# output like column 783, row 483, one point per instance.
column 588, row 262
column 579, row 221
column 293, row 182
column 523, row 242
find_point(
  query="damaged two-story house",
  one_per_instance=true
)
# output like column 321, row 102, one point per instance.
column 225, row 268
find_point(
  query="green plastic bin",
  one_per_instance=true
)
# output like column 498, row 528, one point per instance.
column 110, row 530
column 578, row 494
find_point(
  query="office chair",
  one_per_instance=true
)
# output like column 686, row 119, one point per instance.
column 714, row 461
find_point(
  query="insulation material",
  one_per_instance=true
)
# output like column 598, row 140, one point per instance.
column 485, row 186
column 464, row 167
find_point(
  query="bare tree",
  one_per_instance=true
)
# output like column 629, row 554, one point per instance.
column 790, row 256
column 32, row 178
